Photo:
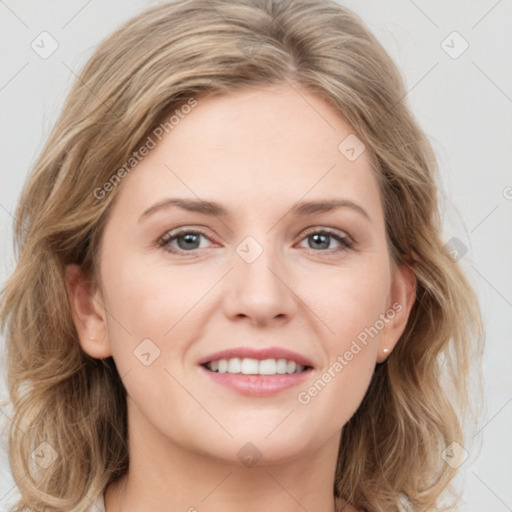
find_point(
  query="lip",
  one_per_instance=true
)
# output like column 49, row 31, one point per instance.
column 257, row 385
column 257, row 353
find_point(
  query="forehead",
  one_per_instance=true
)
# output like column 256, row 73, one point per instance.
column 274, row 143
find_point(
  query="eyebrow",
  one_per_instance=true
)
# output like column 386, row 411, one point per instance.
column 213, row 208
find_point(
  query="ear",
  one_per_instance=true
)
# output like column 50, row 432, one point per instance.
column 402, row 297
column 88, row 313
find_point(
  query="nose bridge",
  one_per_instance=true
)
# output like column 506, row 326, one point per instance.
column 256, row 260
column 258, row 281
column 257, row 256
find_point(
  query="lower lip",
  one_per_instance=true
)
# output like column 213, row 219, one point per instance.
column 258, row 385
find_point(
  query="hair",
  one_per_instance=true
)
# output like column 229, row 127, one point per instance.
column 390, row 450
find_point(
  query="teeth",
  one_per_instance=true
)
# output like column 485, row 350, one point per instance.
column 250, row 366
column 281, row 366
column 223, row 366
column 234, row 365
column 267, row 367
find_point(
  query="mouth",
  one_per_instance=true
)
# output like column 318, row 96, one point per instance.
column 252, row 366
column 261, row 372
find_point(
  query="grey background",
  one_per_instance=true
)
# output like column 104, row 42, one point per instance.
column 464, row 104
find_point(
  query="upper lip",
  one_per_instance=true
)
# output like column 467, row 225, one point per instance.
column 258, row 353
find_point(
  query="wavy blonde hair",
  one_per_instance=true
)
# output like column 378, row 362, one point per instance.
column 391, row 447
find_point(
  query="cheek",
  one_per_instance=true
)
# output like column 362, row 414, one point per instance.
column 156, row 303
column 355, row 299
column 150, row 299
column 338, row 388
column 351, row 303
column 150, row 315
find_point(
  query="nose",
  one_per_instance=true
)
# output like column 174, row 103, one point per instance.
column 259, row 291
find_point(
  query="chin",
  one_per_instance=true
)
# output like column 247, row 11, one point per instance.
column 253, row 446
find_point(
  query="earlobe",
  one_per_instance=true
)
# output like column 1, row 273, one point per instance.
column 403, row 295
column 87, row 312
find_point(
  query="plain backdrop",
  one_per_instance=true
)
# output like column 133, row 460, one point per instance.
column 456, row 60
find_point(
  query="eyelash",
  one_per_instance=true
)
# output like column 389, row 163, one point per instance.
column 345, row 242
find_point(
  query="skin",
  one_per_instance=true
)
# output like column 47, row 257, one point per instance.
column 258, row 152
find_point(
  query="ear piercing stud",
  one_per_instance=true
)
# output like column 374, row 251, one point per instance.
column 385, row 350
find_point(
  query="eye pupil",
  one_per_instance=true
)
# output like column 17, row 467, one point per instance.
column 317, row 237
column 189, row 238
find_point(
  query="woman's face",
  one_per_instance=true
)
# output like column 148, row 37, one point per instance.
column 225, row 252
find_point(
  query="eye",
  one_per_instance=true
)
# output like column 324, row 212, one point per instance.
column 187, row 240
column 322, row 238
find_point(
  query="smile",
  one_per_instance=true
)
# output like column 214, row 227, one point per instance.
column 250, row 366
column 257, row 372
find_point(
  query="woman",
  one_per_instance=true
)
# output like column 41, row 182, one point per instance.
column 231, row 288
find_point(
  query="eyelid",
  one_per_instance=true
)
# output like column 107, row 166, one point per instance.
column 330, row 231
